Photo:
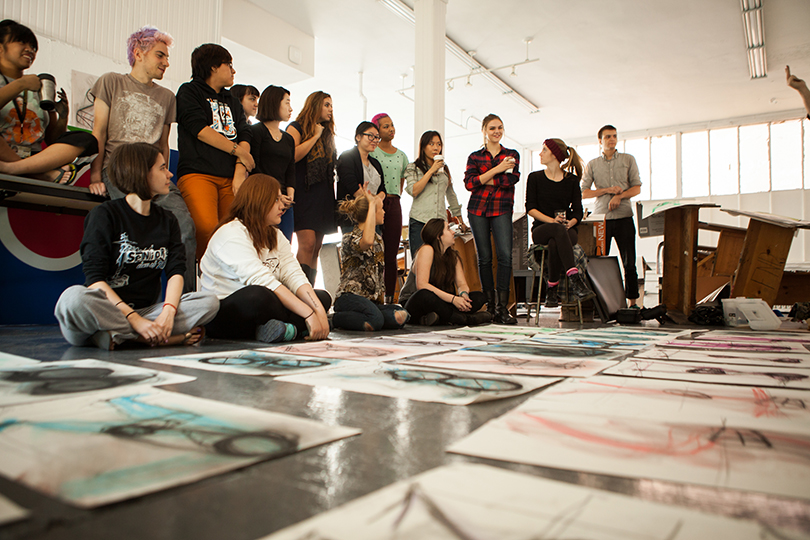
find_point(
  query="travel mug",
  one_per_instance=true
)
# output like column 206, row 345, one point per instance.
column 47, row 94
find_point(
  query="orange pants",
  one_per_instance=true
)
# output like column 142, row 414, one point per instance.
column 208, row 199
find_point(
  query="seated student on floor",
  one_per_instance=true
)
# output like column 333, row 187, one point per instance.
column 25, row 126
column 127, row 244
column 554, row 200
column 442, row 295
column 264, row 294
column 359, row 304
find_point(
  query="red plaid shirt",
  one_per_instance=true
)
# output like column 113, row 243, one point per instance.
column 497, row 197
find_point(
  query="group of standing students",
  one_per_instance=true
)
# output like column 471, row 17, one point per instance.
column 239, row 183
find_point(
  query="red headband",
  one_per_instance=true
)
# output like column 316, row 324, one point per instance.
column 555, row 149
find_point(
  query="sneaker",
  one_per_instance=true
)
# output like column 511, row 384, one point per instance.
column 552, row 297
column 274, row 331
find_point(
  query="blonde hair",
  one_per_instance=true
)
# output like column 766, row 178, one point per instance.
column 356, row 209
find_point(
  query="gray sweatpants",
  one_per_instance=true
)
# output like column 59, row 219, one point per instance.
column 174, row 203
column 82, row 312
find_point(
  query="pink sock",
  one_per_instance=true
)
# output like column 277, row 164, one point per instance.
column 553, row 284
column 572, row 271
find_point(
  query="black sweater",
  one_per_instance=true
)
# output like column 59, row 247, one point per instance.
column 275, row 158
column 546, row 196
column 130, row 251
column 199, row 106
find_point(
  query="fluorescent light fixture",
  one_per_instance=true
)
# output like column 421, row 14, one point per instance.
column 405, row 12
column 754, row 31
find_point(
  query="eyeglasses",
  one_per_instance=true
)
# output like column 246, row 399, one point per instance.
column 372, row 137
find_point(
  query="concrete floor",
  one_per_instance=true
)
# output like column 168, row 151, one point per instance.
column 400, row 438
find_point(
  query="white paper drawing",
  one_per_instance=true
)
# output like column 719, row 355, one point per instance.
column 53, row 380
column 738, row 346
column 465, row 501
column 663, row 401
column 714, row 455
column 713, row 373
column 527, row 365
column 441, row 386
column 348, row 350
column 540, row 350
column 97, row 449
column 777, row 360
column 10, row 512
column 421, row 343
column 260, row 362
column 12, row 360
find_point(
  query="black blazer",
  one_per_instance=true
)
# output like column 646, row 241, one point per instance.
column 351, row 178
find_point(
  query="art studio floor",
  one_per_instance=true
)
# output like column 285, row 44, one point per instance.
column 400, row 438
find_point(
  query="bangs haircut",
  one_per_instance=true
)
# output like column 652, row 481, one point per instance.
column 206, row 57
column 424, row 141
column 129, row 168
column 252, row 203
column 270, row 103
column 11, row 31
column 144, row 39
column 241, row 90
column 362, row 127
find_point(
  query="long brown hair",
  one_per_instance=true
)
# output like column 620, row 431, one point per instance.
column 443, row 271
column 310, row 115
column 252, row 203
column 572, row 163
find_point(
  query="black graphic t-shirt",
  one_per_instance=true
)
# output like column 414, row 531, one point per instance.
column 198, row 106
column 130, row 251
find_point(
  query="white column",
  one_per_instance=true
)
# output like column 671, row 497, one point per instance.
column 429, row 67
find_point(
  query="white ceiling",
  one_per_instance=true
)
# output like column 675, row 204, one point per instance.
column 638, row 64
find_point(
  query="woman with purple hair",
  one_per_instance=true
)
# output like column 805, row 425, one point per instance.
column 393, row 161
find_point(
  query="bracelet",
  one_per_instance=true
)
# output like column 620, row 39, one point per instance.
column 310, row 315
column 463, row 293
column 172, row 305
column 453, row 299
column 233, row 150
column 128, row 314
column 119, row 302
column 240, row 163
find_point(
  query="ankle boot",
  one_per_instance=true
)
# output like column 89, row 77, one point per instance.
column 458, row 318
column 491, row 302
column 481, row 317
column 552, row 297
column 580, row 288
column 502, row 314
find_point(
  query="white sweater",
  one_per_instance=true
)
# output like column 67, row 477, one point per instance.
column 231, row 262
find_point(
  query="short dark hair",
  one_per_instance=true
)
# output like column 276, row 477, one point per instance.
column 362, row 127
column 605, row 128
column 12, row 31
column 207, row 57
column 270, row 103
column 241, row 90
column 129, row 168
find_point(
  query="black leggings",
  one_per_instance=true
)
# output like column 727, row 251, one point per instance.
column 424, row 301
column 243, row 311
column 560, row 242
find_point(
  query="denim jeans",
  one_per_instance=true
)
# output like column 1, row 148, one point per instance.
column 353, row 311
column 415, row 236
column 500, row 229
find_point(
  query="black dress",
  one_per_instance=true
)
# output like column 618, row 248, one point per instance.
column 315, row 193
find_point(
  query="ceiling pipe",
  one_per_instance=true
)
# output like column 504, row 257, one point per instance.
column 363, row 96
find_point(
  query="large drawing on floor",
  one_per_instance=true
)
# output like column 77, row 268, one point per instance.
column 260, row 362
column 419, row 384
column 40, row 381
column 98, row 449
column 476, row 502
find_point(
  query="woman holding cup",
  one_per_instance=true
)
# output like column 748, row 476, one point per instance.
column 428, row 181
column 29, row 119
column 554, row 200
column 491, row 175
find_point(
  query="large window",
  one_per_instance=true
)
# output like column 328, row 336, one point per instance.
column 754, row 174
column 695, row 164
column 723, row 165
column 663, row 173
column 640, row 149
column 786, row 155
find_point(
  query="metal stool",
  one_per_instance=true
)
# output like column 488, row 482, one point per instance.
column 534, row 249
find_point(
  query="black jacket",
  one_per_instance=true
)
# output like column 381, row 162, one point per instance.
column 351, row 178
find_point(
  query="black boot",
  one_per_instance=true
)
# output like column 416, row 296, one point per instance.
column 491, row 303
column 458, row 318
column 552, row 298
column 580, row 288
column 502, row 314
column 481, row 317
